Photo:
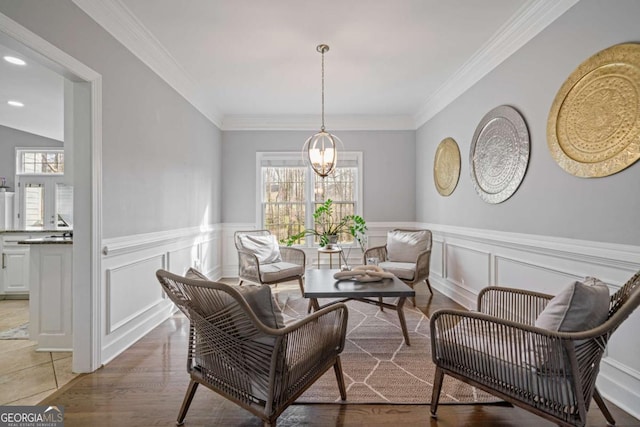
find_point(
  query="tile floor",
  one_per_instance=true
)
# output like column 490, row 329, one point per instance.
column 27, row 376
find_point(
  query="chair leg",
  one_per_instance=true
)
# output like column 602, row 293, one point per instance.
column 603, row 408
column 429, row 285
column 188, row 397
column 437, row 387
column 380, row 301
column 337, row 367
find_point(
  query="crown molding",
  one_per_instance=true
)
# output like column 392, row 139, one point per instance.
column 526, row 23
column 118, row 21
column 312, row 122
column 533, row 17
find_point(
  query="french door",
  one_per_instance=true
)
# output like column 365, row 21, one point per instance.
column 44, row 202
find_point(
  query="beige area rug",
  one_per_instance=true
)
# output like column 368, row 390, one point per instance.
column 378, row 367
column 18, row 333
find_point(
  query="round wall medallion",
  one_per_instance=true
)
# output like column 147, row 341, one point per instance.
column 446, row 166
column 499, row 154
column 594, row 123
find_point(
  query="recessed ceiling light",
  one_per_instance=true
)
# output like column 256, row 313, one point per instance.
column 15, row 103
column 14, row 60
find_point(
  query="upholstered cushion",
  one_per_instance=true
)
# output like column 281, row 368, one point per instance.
column 265, row 248
column 259, row 299
column 578, row 307
column 280, row 270
column 491, row 355
column 405, row 246
column 402, row 270
column 263, row 305
column 192, row 273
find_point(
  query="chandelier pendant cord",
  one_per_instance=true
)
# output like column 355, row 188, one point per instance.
column 322, row 128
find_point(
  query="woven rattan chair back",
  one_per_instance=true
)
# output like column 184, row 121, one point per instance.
column 552, row 374
column 234, row 354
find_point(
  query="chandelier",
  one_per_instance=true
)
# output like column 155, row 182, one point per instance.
column 321, row 148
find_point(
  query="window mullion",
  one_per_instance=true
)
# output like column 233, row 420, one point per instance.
column 309, row 198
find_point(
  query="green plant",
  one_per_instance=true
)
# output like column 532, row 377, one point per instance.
column 326, row 225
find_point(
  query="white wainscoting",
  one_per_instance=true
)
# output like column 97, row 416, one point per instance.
column 465, row 260
column 133, row 301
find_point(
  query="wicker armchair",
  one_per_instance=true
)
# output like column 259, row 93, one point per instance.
column 409, row 272
column 236, row 355
column 250, row 269
column 499, row 350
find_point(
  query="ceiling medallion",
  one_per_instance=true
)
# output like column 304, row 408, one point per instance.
column 593, row 128
column 499, row 154
column 446, row 166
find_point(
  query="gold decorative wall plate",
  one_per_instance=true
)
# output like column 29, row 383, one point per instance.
column 499, row 154
column 446, row 166
column 594, row 123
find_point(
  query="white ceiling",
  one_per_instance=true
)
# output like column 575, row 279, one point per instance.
column 41, row 92
column 252, row 64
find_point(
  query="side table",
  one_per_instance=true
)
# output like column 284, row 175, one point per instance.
column 331, row 252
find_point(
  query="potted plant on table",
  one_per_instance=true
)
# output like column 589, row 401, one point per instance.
column 327, row 229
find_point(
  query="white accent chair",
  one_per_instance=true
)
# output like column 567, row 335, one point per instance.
column 263, row 261
column 407, row 254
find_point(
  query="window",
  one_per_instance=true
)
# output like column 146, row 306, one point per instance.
column 39, row 161
column 289, row 192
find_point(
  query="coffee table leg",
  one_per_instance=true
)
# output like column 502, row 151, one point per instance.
column 314, row 303
column 403, row 322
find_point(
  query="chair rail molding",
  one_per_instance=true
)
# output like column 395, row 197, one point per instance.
column 465, row 260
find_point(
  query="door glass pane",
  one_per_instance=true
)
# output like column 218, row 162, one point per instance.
column 64, row 205
column 34, row 205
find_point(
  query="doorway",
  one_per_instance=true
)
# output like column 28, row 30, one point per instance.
column 85, row 133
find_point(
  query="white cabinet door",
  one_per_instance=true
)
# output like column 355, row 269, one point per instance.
column 15, row 268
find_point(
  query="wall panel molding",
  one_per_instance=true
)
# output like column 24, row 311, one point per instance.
column 133, row 300
column 125, row 298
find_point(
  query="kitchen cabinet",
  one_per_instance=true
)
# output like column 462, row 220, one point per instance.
column 15, row 269
column 14, row 277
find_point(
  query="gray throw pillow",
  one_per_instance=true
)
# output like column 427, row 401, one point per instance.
column 265, row 248
column 405, row 246
column 259, row 298
column 578, row 307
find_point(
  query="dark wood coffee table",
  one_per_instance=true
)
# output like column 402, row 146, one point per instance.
column 321, row 284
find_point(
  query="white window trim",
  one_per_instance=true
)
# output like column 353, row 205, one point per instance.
column 20, row 150
column 297, row 156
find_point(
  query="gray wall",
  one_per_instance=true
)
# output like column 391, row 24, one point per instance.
column 549, row 201
column 10, row 139
column 389, row 170
column 161, row 157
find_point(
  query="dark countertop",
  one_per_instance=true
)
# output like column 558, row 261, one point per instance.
column 35, row 231
column 47, row 241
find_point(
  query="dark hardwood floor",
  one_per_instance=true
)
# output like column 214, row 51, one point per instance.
column 145, row 385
